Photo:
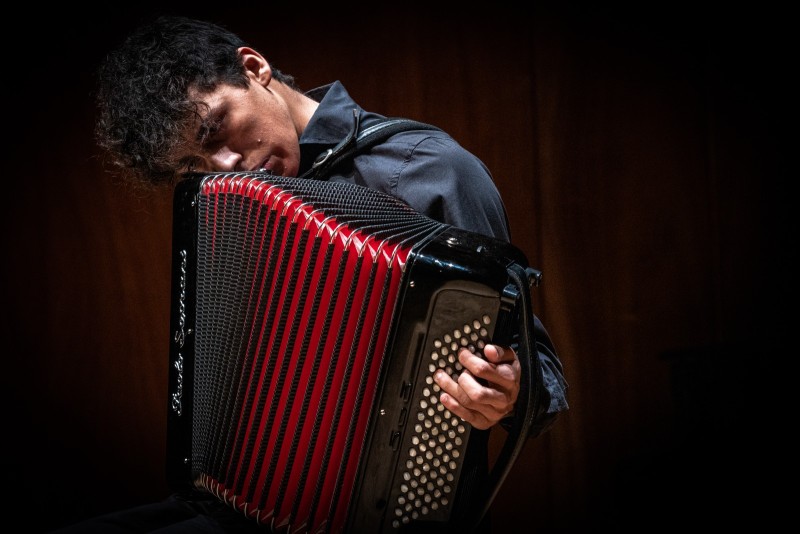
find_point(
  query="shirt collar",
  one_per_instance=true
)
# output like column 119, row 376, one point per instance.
column 331, row 122
column 333, row 119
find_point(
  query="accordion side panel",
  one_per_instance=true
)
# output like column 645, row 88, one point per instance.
column 416, row 449
column 182, row 341
column 307, row 321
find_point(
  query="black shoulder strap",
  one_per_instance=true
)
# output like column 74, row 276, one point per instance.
column 353, row 144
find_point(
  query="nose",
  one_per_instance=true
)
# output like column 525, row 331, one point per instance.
column 225, row 159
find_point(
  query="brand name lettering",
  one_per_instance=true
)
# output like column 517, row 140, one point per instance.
column 180, row 338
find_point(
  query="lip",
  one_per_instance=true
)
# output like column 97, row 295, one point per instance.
column 270, row 165
column 263, row 165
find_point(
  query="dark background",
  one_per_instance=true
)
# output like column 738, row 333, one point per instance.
column 643, row 157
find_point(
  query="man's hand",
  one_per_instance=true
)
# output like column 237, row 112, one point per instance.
column 486, row 389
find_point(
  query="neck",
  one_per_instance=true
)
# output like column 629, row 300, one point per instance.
column 301, row 107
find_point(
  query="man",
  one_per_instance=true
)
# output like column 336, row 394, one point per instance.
column 183, row 95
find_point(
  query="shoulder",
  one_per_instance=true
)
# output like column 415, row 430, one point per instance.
column 437, row 157
column 433, row 173
column 419, row 163
column 431, row 151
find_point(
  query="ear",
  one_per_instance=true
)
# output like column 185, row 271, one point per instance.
column 256, row 67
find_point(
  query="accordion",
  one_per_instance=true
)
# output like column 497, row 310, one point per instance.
column 307, row 320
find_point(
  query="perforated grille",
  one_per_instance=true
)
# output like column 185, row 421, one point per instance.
column 435, row 447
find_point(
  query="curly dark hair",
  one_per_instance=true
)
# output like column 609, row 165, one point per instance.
column 143, row 100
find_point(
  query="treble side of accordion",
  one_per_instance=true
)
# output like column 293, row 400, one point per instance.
column 307, row 321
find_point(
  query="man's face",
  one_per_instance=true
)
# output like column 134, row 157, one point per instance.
column 242, row 130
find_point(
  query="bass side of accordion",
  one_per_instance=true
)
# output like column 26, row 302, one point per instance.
column 307, row 321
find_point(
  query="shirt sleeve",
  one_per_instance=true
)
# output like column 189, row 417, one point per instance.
column 553, row 396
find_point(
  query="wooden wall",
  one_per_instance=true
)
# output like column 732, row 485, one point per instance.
column 642, row 157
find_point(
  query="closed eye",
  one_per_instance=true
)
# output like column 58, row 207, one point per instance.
column 210, row 129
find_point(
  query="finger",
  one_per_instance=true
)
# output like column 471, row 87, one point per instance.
column 498, row 354
column 446, row 383
column 467, row 397
column 494, row 384
column 493, row 402
column 504, row 376
column 458, row 401
column 474, row 418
